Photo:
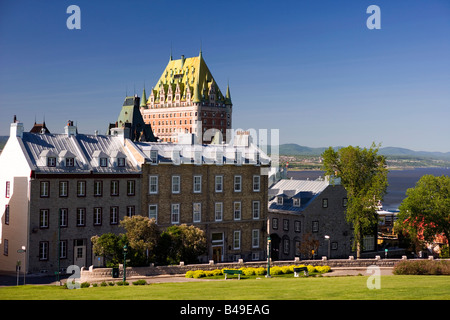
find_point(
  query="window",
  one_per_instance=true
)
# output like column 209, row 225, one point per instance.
column 103, row 162
column 70, row 162
column 154, row 156
column 63, row 249
column 286, row 246
column 197, row 212
column 97, row 216
column 63, row 217
column 81, row 217
column 98, row 188
column 255, row 209
column 255, row 238
column 175, row 216
column 121, row 162
column 43, row 250
column 43, row 218
column 153, row 184
column 7, row 214
column 218, row 211
column 275, row 223
column 237, row 183
column 81, row 188
column 219, row 183
column 45, row 189
column 175, row 184
column 114, row 215
column 63, row 188
column 130, row 211
column 280, row 201
column 315, row 226
column 285, row 224
column 131, row 188
column 237, row 210
column 8, row 189
column 5, row 247
column 344, row 202
column 114, row 188
column 325, row 203
column 296, row 202
column 153, row 212
column 256, row 183
column 51, row 162
column 236, row 239
column 197, row 184
column 297, row 226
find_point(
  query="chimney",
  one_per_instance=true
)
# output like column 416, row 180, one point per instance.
column 16, row 129
column 70, row 129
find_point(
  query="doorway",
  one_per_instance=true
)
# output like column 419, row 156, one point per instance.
column 79, row 252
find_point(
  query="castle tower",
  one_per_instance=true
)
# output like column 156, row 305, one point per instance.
column 187, row 100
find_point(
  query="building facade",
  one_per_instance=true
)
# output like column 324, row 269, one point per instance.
column 221, row 189
column 187, row 100
column 307, row 220
column 59, row 190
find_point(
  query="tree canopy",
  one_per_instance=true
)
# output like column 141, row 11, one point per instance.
column 363, row 174
column 425, row 212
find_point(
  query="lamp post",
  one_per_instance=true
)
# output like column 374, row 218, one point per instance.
column 327, row 237
column 125, row 251
column 269, row 247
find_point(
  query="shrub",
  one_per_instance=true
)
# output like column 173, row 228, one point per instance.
column 85, row 285
column 199, row 274
column 427, row 267
column 311, row 268
column 140, row 282
column 260, row 271
column 103, row 284
column 249, row 271
column 122, row 283
column 111, row 284
column 217, row 272
column 189, row 274
column 275, row 271
column 287, row 269
column 323, row 269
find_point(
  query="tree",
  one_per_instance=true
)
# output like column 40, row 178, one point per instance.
column 109, row 246
column 425, row 212
column 142, row 233
column 363, row 174
column 181, row 243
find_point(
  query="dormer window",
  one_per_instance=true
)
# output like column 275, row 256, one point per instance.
column 280, row 200
column 70, row 162
column 51, row 162
column 121, row 162
column 296, row 202
column 103, row 162
column 154, row 156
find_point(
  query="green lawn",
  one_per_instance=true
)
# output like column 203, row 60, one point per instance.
column 314, row 288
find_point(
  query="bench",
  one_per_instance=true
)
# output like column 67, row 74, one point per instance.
column 299, row 269
column 232, row 272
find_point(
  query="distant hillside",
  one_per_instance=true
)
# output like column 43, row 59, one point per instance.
column 292, row 149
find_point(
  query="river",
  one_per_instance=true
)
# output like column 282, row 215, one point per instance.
column 399, row 181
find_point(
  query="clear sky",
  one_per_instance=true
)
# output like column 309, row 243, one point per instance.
column 309, row 68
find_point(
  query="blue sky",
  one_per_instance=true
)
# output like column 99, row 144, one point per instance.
column 309, row 68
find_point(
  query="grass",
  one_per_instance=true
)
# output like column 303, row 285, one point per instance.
column 277, row 288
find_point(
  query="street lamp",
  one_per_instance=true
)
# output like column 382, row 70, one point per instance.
column 269, row 246
column 125, row 251
column 327, row 237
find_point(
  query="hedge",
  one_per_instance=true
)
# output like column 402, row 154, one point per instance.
column 250, row 271
column 423, row 267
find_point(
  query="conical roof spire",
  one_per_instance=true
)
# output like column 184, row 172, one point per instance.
column 228, row 95
column 143, row 99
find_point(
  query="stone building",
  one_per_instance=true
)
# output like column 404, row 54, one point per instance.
column 187, row 100
column 59, row 190
column 222, row 189
column 306, row 215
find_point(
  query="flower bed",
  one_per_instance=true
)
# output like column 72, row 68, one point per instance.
column 250, row 271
